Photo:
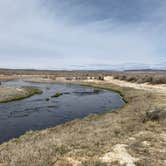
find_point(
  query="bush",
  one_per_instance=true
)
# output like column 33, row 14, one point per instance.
column 159, row 80
column 131, row 79
column 155, row 115
column 57, row 95
column 153, row 78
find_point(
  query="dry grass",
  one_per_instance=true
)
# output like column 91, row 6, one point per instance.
column 8, row 94
column 153, row 77
column 84, row 142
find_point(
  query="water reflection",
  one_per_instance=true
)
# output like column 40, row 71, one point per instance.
column 37, row 112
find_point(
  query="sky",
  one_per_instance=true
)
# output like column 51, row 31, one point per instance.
column 79, row 34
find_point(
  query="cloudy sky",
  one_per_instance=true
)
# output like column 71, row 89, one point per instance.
column 79, row 34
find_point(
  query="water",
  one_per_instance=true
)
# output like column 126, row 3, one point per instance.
column 36, row 113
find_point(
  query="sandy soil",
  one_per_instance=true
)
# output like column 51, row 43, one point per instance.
column 154, row 88
column 160, row 88
column 7, row 77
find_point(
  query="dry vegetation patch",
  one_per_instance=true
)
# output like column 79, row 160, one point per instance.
column 152, row 77
column 84, row 142
column 8, row 94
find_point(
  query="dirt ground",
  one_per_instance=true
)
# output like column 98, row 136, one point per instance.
column 160, row 88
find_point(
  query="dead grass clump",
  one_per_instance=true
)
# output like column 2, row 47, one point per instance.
column 155, row 115
column 152, row 78
column 158, row 79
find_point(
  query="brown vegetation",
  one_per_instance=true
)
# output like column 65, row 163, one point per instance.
column 8, row 94
column 93, row 141
column 53, row 73
column 152, row 78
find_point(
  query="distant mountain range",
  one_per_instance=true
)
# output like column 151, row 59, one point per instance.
column 145, row 70
column 28, row 71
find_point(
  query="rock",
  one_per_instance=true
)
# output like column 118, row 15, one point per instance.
column 120, row 154
column 146, row 143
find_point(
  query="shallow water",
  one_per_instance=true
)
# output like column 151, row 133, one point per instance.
column 37, row 113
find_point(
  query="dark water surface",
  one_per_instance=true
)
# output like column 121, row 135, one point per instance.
column 36, row 113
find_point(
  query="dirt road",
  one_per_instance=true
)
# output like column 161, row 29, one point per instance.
column 160, row 88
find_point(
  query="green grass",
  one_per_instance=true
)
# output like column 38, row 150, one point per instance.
column 110, row 87
column 57, row 95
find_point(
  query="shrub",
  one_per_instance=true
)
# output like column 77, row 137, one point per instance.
column 57, row 95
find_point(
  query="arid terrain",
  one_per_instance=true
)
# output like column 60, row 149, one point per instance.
column 134, row 135
column 82, row 83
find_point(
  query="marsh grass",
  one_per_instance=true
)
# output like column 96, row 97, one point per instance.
column 58, row 94
column 25, row 93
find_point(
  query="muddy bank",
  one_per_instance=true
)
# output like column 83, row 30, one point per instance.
column 9, row 93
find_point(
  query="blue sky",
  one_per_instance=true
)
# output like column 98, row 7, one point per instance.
column 79, row 34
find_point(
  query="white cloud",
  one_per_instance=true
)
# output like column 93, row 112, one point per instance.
column 33, row 37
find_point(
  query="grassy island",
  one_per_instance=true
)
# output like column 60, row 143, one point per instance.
column 8, row 94
column 57, row 95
